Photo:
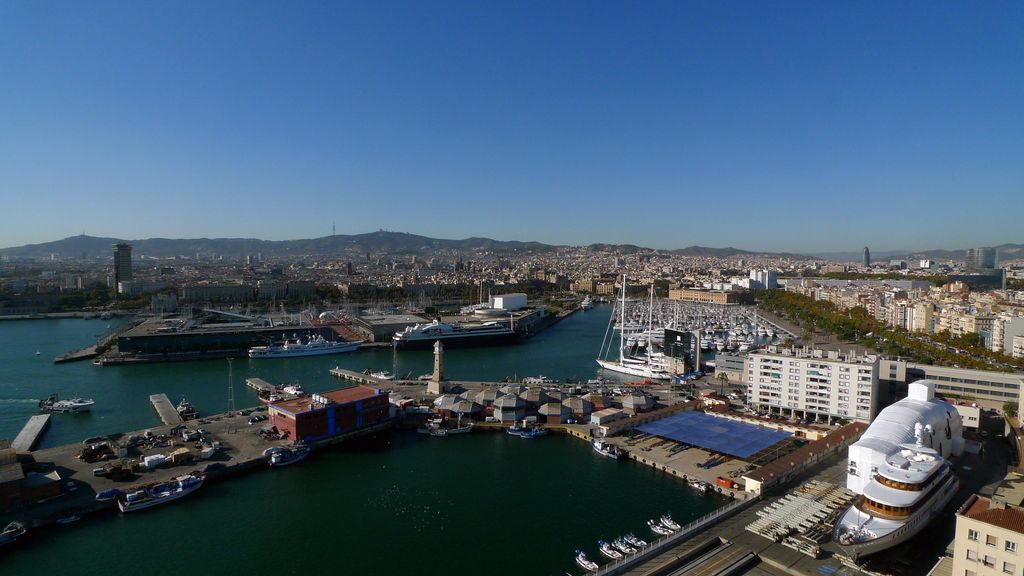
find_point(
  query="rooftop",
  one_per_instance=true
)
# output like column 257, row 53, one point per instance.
column 994, row 512
column 341, row 396
column 848, row 355
column 786, row 463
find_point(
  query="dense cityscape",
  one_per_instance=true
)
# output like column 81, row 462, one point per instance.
column 666, row 288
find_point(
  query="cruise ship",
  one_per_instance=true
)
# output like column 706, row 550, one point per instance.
column 316, row 346
column 903, row 485
column 424, row 335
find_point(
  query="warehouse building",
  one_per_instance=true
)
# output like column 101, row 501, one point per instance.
column 329, row 414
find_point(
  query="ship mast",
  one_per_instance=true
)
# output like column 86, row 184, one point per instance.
column 622, row 321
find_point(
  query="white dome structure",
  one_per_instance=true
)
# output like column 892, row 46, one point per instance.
column 918, row 417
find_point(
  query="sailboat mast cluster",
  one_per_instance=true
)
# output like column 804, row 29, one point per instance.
column 651, row 365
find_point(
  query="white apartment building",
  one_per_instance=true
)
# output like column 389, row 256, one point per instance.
column 989, row 538
column 1018, row 347
column 813, row 383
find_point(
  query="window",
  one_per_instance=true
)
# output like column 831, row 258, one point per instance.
column 1011, row 547
column 989, row 561
column 972, row 555
column 1009, row 568
column 991, row 540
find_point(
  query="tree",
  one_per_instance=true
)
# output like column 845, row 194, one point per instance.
column 723, row 378
column 1010, row 409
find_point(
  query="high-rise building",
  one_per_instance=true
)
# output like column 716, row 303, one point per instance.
column 867, row 257
column 813, row 383
column 122, row 264
column 981, row 259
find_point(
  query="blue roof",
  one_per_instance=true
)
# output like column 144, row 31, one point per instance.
column 720, row 435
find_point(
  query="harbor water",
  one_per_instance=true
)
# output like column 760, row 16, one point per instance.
column 395, row 503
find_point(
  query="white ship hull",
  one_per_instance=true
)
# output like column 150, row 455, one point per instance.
column 151, row 501
column 465, row 339
column 906, row 530
column 638, row 370
column 264, row 353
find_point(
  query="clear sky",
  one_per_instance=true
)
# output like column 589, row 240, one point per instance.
column 796, row 126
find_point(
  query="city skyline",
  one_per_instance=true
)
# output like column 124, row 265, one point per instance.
column 75, row 246
column 815, row 128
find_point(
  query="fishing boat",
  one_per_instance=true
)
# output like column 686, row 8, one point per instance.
column 623, row 547
column 609, row 550
column 73, row 406
column 186, row 410
column 16, row 530
column 284, row 456
column 383, row 375
column 667, row 522
column 632, row 539
column 514, row 430
column 605, row 449
column 161, row 493
column 584, row 562
column 533, row 432
column 658, row 528
column 75, row 517
column 698, row 485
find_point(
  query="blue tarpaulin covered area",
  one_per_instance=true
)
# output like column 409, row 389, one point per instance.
column 720, row 435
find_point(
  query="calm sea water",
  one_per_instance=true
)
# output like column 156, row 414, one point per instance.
column 395, row 504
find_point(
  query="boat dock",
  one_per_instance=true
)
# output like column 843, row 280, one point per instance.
column 360, row 378
column 31, row 433
column 168, row 414
column 260, row 385
column 241, row 450
column 83, row 354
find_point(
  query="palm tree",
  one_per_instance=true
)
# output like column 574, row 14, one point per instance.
column 723, row 379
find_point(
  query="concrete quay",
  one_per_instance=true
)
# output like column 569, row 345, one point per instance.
column 31, row 433
column 167, row 412
column 241, row 450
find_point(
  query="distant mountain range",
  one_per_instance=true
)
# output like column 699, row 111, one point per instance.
column 401, row 243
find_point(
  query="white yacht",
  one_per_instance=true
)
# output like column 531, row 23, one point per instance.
column 162, row 493
column 74, row 405
column 424, row 335
column 900, row 471
column 316, row 346
column 587, row 304
column 909, row 490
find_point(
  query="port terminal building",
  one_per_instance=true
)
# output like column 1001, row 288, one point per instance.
column 328, row 414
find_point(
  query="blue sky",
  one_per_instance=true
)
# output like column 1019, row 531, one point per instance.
column 796, row 126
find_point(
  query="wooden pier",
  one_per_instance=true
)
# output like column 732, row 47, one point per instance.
column 31, row 433
column 168, row 414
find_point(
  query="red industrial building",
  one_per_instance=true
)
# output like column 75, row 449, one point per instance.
column 320, row 416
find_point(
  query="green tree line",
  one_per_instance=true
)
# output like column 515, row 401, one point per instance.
column 855, row 325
